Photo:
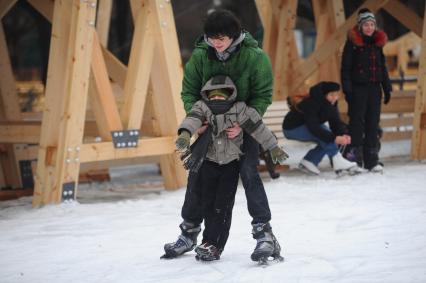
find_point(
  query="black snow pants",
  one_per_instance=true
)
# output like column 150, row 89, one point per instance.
column 219, row 185
column 257, row 201
column 364, row 110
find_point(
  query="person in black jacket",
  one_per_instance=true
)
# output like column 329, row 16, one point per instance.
column 364, row 76
column 306, row 122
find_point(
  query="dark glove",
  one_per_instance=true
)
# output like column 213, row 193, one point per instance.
column 387, row 97
column 183, row 140
column 278, row 155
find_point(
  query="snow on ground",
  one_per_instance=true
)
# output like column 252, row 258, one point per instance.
column 366, row 228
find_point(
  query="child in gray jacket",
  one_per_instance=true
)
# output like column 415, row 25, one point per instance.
column 214, row 158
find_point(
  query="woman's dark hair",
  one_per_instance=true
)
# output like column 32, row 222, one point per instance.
column 222, row 23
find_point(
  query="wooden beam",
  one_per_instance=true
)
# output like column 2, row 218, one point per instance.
column 10, row 111
column 5, row 6
column 116, row 69
column 103, row 21
column 44, row 7
column 282, row 71
column 102, row 98
column 28, row 132
column 146, row 147
column 331, row 46
column 7, row 82
column 418, row 141
column 140, row 62
column 264, row 9
column 405, row 16
column 167, row 75
column 69, row 64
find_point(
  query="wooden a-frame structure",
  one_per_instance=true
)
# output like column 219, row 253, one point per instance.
column 80, row 70
column 293, row 73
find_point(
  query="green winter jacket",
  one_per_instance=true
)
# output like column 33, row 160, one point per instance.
column 249, row 68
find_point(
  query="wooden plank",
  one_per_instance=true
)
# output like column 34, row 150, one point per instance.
column 396, row 122
column 392, row 136
column 73, row 70
column 330, row 47
column 140, row 62
column 103, row 21
column 5, row 6
column 44, row 7
column 146, row 147
column 399, row 104
column 7, row 82
column 418, row 141
column 282, row 71
column 55, row 96
column 102, row 98
column 116, row 70
column 405, row 16
column 167, row 75
column 24, row 133
column 10, row 111
column 264, row 9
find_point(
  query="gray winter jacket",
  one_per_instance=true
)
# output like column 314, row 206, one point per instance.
column 223, row 150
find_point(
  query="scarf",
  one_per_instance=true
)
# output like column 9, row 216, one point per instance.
column 194, row 157
column 223, row 56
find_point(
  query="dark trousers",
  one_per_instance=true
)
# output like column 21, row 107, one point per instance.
column 219, row 185
column 364, row 118
column 257, row 201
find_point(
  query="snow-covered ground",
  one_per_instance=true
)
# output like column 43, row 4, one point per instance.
column 366, row 228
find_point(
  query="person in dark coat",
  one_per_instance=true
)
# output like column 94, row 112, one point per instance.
column 364, row 77
column 306, row 122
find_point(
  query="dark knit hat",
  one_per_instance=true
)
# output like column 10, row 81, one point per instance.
column 363, row 16
column 327, row 87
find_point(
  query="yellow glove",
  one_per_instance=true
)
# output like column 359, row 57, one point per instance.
column 278, row 155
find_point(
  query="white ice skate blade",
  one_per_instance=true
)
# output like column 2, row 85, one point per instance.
column 304, row 169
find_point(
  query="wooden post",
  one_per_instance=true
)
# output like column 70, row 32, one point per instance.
column 140, row 62
column 66, row 99
column 10, row 111
column 418, row 142
column 282, row 71
column 103, row 21
column 101, row 95
column 167, row 75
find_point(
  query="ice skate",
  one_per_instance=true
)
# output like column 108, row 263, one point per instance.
column 308, row 167
column 377, row 169
column 343, row 166
column 267, row 245
column 207, row 252
column 186, row 241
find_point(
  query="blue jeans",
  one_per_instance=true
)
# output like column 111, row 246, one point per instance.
column 316, row 154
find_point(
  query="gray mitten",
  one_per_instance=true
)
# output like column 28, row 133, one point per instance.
column 278, row 155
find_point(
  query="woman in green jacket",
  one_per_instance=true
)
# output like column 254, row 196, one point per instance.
column 225, row 49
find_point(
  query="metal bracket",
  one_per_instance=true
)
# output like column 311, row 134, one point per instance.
column 125, row 138
column 68, row 191
column 26, row 173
